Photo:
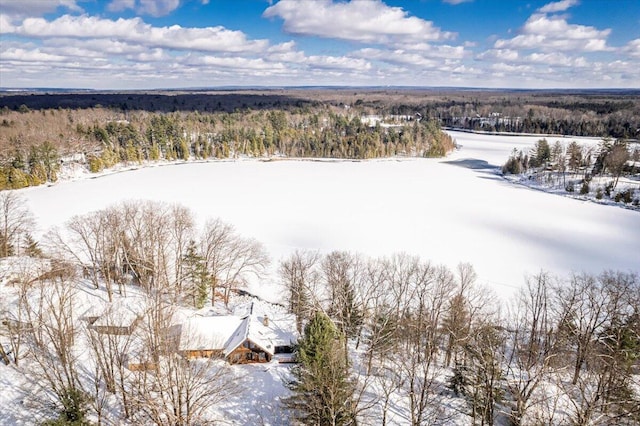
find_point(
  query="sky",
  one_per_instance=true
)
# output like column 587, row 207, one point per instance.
column 156, row 44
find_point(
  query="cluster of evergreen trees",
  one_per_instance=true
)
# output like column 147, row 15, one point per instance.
column 39, row 165
column 573, row 167
column 105, row 139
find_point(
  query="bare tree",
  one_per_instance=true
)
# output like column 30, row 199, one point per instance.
column 616, row 159
column 181, row 230
column 419, row 341
column 52, row 342
column 342, row 274
column 109, row 350
column 582, row 315
column 531, row 346
column 462, row 308
column 15, row 221
column 479, row 376
column 182, row 392
column 175, row 390
column 231, row 259
column 94, row 240
column 299, row 274
column 15, row 314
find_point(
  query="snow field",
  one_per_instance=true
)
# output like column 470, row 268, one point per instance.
column 450, row 210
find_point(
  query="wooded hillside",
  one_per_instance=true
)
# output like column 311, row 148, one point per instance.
column 33, row 144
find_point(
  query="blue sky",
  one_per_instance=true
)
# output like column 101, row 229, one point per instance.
column 146, row 44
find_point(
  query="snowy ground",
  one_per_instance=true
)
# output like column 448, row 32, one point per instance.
column 446, row 210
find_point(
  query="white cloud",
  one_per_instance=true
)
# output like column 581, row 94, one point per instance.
column 503, row 67
column 233, row 63
column 5, row 24
column 558, row 6
column 152, row 55
column 210, row 39
column 555, row 33
column 359, row 21
column 120, row 5
column 556, row 59
column 434, row 51
column 102, row 46
column 500, row 54
column 145, row 7
column 24, row 8
column 456, row 2
column 398, row 57
column 633, row 48
column 336, row 63
column 22, row 55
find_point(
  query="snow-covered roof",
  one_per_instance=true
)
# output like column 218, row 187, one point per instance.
column 22, row 268
column 120, row 313
column 208, row 332
column 228, row 332
column 239, row 336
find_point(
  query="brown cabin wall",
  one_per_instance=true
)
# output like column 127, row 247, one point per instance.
column 240, row 355
column 203, row 353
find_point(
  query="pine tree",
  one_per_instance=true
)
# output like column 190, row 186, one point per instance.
column 197, row 275
column 31, row 246
column 322, row 390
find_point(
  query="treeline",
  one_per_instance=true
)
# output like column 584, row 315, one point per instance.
column 581, row 169
column 385, row 340
column 613, row 116
column 34, row 143
column 611, row 127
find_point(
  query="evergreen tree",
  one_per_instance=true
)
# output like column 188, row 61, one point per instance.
column 197, row 275
column 322, row 390
column 31, row 246
column 542, row 153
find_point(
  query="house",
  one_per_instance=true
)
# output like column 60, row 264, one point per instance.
column 244, row 337
column 119, row 318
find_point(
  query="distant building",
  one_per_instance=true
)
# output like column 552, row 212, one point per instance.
column 119, row 318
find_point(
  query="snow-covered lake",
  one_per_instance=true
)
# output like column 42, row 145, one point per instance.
column 447, row 210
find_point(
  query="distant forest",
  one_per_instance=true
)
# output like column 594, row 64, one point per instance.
column 38, row 131
column 611, row 113
column 35, row 142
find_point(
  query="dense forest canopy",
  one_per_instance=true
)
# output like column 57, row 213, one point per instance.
column 34, row 142
column 613, row 113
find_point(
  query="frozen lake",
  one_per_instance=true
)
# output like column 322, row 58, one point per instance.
column 446, row 210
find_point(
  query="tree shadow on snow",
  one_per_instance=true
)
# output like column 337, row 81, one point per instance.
column 473, row 164
column 490, row 171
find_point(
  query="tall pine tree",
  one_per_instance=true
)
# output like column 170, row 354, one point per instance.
column 322, row 393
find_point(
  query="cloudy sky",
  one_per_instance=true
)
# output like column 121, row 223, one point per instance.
column 144, row 44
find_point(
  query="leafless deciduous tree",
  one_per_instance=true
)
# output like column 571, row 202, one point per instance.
column 14, row 312
column 531, row 346
column 230, row 258
column 182, row 392
column 174, row 390
column 606, row 341
column 52, row 342
column 300, row 275
column 16, row 221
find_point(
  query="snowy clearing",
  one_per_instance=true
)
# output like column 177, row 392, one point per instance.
column 451, row 210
